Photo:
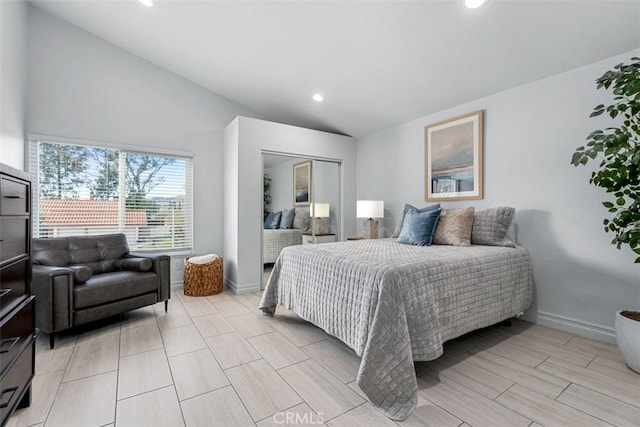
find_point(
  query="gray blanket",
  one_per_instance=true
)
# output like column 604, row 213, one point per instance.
column 394, row 304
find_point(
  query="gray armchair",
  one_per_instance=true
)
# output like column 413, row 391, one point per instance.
column 78, row 280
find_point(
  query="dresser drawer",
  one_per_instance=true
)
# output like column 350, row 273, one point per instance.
column 15, row 332
column 14, row 382
column 14, row 197
column 14, row 285
column 14, row 237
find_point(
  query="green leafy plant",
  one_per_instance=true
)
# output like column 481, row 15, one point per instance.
column 267, row 196
column 618, row 172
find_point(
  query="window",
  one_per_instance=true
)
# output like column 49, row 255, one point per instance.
column 88, row 190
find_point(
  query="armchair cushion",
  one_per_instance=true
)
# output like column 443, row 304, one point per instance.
column 99, row 253
column 53, row 251
column 119, row 285
column 134, row 264
column 81, row 273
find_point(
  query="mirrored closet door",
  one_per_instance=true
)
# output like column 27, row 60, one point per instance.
column 301, row 204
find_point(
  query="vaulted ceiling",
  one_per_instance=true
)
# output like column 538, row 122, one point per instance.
column 377, row 63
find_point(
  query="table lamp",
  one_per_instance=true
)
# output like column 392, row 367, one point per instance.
column 319, row 211
column 370, row 209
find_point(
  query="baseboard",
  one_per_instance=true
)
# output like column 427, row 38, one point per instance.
column 230, row 286
column 241, row 289
column 573, row 326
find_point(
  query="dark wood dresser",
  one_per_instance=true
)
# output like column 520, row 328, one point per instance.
column 17, row 311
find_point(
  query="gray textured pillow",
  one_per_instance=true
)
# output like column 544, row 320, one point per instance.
column 490, row 227
column 286, row 220
column 454, row 227
column 301, row 220
column 511, row 233
column 407, row 207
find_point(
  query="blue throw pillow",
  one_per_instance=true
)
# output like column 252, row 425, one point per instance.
column 286, row 220
column 273, row 220
column 418, row 227
column 408, row 207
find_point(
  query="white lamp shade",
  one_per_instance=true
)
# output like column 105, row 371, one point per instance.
column 370, row 209
column 319, row 210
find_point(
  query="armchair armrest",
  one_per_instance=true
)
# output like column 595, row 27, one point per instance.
column 162, row 267
column 53, row 288
column 49, row 271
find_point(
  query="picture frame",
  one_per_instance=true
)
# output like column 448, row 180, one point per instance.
column 302, row 183
column 453, row 158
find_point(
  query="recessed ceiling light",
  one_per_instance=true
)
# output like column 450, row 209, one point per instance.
column 473, row 4
column 318, row 98
column 148, row 3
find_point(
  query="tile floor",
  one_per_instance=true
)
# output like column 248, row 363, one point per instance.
column 216, row 361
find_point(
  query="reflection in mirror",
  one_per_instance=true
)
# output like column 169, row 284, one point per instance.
column 287, row 228
column 289, row 220
column 326, row 196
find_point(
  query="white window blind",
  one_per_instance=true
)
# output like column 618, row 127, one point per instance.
column 89, row 190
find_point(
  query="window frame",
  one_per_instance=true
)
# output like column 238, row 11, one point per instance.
column 32, row 158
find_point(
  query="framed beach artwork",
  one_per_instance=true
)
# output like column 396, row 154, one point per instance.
column 453, row 158
column 302, row 184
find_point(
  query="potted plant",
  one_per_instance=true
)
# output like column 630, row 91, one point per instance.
column 619, row 174
column 266, row 194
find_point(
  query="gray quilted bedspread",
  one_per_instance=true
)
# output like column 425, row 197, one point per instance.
column 394, row 304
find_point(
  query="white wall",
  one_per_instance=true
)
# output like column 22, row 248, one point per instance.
column 282, row 184
column 85, row 88
column 231, row 194
column 530, row 134
column 243, row 268
column 326, row 189
column 13, row 82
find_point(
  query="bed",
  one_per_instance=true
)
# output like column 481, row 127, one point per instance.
column 394, row 304
column 274, row 240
